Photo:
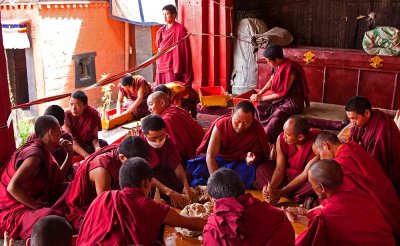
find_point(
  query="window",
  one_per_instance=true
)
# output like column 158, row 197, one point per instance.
column 85, row 69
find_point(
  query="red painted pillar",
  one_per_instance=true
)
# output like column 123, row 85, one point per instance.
column 212, row 53
column 7, row 143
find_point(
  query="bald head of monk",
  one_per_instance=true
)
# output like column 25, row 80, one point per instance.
column 51, row 230
column 225, row 183
column 358, row 110
column 57, row 112
column 48, row 129
column 326, row 145
column 243, row 116
column 325, row 177
column 133, row 146
column 157, row 102
column 136, row 173
column 296, row 129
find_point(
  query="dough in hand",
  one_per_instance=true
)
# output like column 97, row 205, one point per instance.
column 195, row 210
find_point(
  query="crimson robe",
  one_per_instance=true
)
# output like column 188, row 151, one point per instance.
column 142, row 110
column 346, row 219
column 59, row 154
column 83, row 191
column 175, row 65
column 47, row 187
column 245, row 220
column 183, row 130
column 362, row 172
column 82, row 127
column 273, row 114
column 296, row 161
column 381, row 138
column 125, row 217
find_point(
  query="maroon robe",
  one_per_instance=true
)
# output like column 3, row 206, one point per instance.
column 245, row 220
column 47, row 187
column 123, row 217
column 381, row 139
column 59, row 154
column 362, row 172
column 187, row 99
column 83, row 191
column 346, row 219
column 175, row 65
column 183, row 130
column 273, row 114
column 142, row 110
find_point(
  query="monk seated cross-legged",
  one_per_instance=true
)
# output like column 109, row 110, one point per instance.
column 182, row 129
column 239, row 218
column 32, row 185
column 361, row 173
column 128, row 216
column 344, row 217
column 169, row 175
column 378, row 135
column 84, row 123
column 136, row 90
column 236, row 142
column 294, row 156
column 99, row 173
column 50, row 231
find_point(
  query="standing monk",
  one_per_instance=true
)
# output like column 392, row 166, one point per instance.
column 183, row 130
column 99, row 173
column 239, row 218
column 289, row 92
column 175, row 65
column 378, row 135
column 344, row 218
column 84, row 123
column 32, row 184
column 128, row 216
column 294, row 156
column 135, row 89
column 361, row 172
column 236, row 142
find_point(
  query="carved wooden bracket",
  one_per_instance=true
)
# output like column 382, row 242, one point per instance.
column 376, row 62
column 309, row 57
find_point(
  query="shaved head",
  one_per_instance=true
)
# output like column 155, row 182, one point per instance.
column 325, row 136
column 51, row 230
column 158, row 95
column 157, row 102
column 300, row 125
column 44, row 123
column 328, row 173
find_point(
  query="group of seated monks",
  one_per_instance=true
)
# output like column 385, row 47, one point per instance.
column 348, row 191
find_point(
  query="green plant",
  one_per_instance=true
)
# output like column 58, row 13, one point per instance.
column 25, row 128
column 106, row 99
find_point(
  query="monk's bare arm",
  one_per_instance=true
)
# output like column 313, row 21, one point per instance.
column 191, row 223
column 75, row 145
column 67, row 146
column 180, row 173
column 30, row 167
column 279, row 171
column 267, row 86
column 177, row 199
column 212, row 151
column 300, row 179
column 101, row 179
column 276, row 96
column 141, row 94
column 95, row 141
column 119, row 102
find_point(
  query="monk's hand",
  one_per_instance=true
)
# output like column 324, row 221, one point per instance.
column 179, row 200
column 297, row 210
column 271, row 194
column 290, row 215
column 189, row 191
column 255, row 97
column 67, row 146
column 250, row 158
column 8, row 241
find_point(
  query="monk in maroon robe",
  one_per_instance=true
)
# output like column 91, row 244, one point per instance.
column 84, row 123
column 378, row 135
column 99, row 173
column 294, row 158
column 183, row 130
column 31, row 182
column 288, row 92
column 129, row 216
column 361, row 173
column 136, row 90
column 175, row 65
column 241, row 219
column 59, row 154
column 169, row 175
column 344, row 218
column 236, row 142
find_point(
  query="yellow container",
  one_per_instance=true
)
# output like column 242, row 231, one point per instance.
column 214, row 96
column 117, row 121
